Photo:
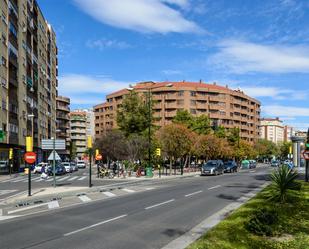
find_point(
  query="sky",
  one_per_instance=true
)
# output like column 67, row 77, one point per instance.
column 261, row 47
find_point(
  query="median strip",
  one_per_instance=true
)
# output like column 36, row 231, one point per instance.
column 194, row 193
column 94, row 225
column 160, row 204
column 218, row 186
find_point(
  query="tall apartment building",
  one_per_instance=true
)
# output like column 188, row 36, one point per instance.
column 272, row 129
column 225, row 107
column 63, row 123
column 28, row 76
column 81, row 126
column 288, row 133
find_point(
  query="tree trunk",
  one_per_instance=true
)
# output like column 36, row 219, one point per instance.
column 171, row 166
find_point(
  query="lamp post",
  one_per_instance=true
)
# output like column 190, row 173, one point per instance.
column 149, row 89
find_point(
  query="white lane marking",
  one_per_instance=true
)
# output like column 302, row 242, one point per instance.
column 53, row 204
column 73, row 178
column 82, row 178
column 35, row 178
column 4, row 192
column 19, row 180
column 26, row 208
column 63, row 178
column 194, row 193
column 84, row 198
column 20, row 193
column 160, row 204
column 150, row 188
column 109, row 194
column 95, row 225
column 218, row 186
column 8, row 217
column 128, row 190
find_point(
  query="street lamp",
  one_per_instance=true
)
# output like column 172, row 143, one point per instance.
column 149, row 89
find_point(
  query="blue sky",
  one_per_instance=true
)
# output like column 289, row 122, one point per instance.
column 261, row 47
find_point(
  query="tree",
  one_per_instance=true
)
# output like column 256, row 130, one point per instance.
column 73, row 150
column 201, row 124
column 136, row 147
column 112, row 145
column 266, row 148
column 133, row 115
column 284, row 149
column 211, row 147
column 243, row 150
column 183, row 117
column 175, row 141
column 233, row 135
column 220, row 132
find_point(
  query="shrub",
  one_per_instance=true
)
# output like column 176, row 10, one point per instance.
column 263, row 222
column 283, row 179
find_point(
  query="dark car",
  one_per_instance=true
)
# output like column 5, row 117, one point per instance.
column 230, row 166
column 275, row 163
column 59, row 170
column 252, row 164
column 212, row 167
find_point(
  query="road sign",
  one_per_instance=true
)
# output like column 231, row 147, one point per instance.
column 306, row 155
column 48, row 144
column 30, row 157
column 98, row 157
column 51, row 156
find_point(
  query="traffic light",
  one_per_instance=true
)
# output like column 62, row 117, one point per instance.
column 89, row 142
column 29, row 144
column 97, row 152
column 1, row 135
column 158, row 152
column 11, row 154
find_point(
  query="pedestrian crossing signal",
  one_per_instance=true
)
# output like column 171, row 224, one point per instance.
column 158, row 152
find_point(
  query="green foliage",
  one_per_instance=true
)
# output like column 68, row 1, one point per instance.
column 133, row 115
column 220, row 132
column 201, row 125
column 233, row 136
column 265, row 148
column 243, row 150
column 284, row 149
column 73, row 150
column 183, row 117
column 263, row 222
column 283, row 180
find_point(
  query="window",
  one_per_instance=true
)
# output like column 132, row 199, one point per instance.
column 13, row 30
column 193, row 93
column 180, row 93
column 193, row 102
column 4, row 17
column 3, row 61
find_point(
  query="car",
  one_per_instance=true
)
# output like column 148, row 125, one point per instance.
column 68, row 167
column 212, row 167
column 252, row 164
column 38, row 168
column 74, row 166
column 81, row 164
column 289, row 163
column 230, row 166
column 275, row 163
column 245, row 164
column 4, row 167
column 59, row 170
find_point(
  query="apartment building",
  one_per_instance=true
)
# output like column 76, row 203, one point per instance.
column 288, row 133
column 272, row 129
column 63, row 123
column 225, row 107
column 28, row 76
column 81, row 126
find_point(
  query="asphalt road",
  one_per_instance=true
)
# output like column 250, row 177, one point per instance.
column 144, row 220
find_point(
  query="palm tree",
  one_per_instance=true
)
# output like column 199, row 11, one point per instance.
column 283, row 179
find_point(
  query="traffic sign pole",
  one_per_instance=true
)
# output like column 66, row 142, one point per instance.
column 29, row 179
column 54, row 162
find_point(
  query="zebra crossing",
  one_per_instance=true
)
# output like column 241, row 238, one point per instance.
column 24, row 179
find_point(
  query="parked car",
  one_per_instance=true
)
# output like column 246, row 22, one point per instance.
column 38, row 167
column 81, row 164
column 4, row 167
column 275, row 163
column 212, row 167
column 59, row 170
column 289, row 163
column 252, row 164
column 74, row 166
column 68, row 167
column 230, row 166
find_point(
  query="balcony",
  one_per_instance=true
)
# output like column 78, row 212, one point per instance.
column 63, row 99
column 63, row 108
column 170, row 114
column 171, row 105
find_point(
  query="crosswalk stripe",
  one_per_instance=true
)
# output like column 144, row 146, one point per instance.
column 19, row 180
column 73, row 178
column 128, row 190
column 51, row 179
column 82, row 178
column 39, row 180
column 109, row 194
column 63, row 178
column 84, row 198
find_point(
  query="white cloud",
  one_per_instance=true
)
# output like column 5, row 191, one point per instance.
column 244, row 57
column 141, row 15
column 103, row 43
column 286, row 111
column 274, row 92
column 84, row 89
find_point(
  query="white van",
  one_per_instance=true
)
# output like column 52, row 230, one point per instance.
column 81, row 164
